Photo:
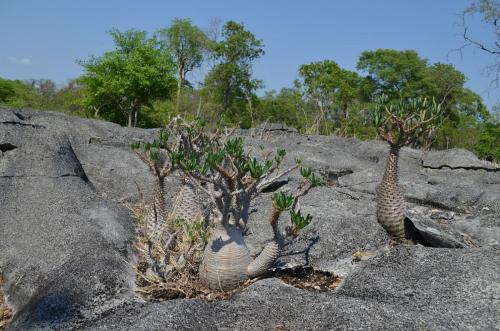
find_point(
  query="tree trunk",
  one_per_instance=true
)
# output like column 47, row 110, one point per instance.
column 391, row 206
column 198, row 111
column 179, row 87
column 249, row 100
column 225, row 100
column 136, row 111
column 130, row 116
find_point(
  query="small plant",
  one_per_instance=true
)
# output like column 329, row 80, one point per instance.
column 400, row 123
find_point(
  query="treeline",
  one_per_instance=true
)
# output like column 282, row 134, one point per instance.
column 144, row 81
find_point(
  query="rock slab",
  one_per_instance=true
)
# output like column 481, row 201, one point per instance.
column 66, row 236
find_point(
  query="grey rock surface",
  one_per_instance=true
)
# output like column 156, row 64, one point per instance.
column 408, row 288
column 455, row 159
column 66, row 236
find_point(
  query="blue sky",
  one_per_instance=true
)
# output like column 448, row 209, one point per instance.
column 42, row 39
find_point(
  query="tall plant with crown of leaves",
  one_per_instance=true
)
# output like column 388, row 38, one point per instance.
column 400, row 123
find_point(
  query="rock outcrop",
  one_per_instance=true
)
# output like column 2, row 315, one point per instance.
column 66, row 237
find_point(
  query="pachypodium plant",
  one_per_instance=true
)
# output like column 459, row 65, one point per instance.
column 232, row 178
column 400, row 123
column 151, row 154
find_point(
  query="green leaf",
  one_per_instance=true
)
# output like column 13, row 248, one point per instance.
column 305, row 172
column 280, row 154
column 315, row 180
column 282, row 200
column 256, row 169
column 234, row 147
column 154, row 154
column 299, row 222
column 135, row 145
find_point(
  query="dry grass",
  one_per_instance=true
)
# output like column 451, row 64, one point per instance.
column 5, row 312
column 184, row 257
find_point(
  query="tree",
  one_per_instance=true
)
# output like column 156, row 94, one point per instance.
column 394, row 73
column 230, row 82
column 70, row 98
column 285, row 106
column 7, row 91
column 46, row 88
column 188, row 45
column 131, row 76
column 489, row 10
column 403, row 74
column 331, row 88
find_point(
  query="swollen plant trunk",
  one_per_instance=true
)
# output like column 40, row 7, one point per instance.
column 391, row 206
column 187, row 204
column 156, row 213
column 227, row 261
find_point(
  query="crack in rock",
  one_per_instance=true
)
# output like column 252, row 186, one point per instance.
column 34, row 176
column 462, row 167
column 36, row 126
column 5, row 147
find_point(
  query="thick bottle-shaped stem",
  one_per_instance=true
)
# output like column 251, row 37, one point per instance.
column 227, row 261
column 391, row 206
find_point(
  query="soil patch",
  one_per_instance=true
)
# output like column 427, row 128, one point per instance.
column 307, row 278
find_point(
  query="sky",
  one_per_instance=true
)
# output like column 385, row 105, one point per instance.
column 43, row 39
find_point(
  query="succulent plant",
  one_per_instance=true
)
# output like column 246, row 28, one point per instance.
column 233, row 178
column 219, row 166
column 399, row 123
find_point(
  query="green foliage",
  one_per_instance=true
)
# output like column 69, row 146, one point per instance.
column 406, row 121
column 488, row 146
column 133, row 75
column 299, row 222
column 330, row 87
column 283, row 201
column 394, row 73
column 280, row 154
column 286, row 106
column 7, row 90
column 43, row 94
column 194, row 231
column 403, row 75
column 188, row 45
column 230, row 82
